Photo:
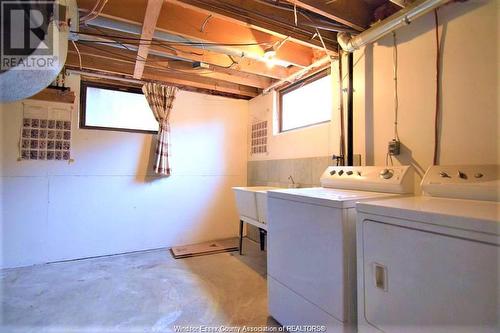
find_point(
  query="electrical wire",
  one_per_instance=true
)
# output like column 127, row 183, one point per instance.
column 396, row 97
column 96, row 11
column 115, row 39
column 92, row 11
column 388, row 158
column 131, row 59
column 150, row 63
column 438, row 90
column 156, row 42
column 233, row 62
column 293, row 8
column 150, row 42
column 78, row 52
column 119, row 55
column 204, row 24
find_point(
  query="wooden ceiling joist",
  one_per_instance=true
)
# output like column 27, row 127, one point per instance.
column 148, row 28
column 241, row 64
column 120, row 80
column 126, row 68
column 188, row 23
column 356, row 14
column 216, row 46
column 218, row 73
column 261, row 17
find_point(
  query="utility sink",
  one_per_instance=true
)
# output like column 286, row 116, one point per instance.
column 252, row 204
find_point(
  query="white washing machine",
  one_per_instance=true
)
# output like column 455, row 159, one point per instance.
column 432, row 263
column 312, row 245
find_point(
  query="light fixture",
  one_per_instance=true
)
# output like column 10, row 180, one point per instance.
column 270, row 52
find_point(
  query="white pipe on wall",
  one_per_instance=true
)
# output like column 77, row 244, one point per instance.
column 403, row 17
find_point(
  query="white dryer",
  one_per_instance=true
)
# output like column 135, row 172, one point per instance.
column 312, row 245
column 432, row 263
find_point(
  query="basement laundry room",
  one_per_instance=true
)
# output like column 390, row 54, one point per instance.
column 218, row 166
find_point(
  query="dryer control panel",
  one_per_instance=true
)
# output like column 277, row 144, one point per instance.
column 473, row 182
column 390, row 179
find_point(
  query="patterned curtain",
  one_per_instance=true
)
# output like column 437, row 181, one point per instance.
column 161, row 99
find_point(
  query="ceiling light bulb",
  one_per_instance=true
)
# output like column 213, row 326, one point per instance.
column 270, row 62
column 269, row 52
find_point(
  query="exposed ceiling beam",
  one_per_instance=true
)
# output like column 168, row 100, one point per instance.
column 126, row 68
column 162, row 63
column 189, row 53
column 148, row 28
column 353, row 13
column 188, row 23
column 107, row 78
column 261, row 17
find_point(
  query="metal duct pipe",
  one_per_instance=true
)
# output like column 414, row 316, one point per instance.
column 128, row 47
column 403, row 17
column 136, row 29
column 29, row 77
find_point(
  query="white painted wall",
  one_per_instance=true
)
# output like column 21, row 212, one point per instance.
column 108, row 200
column 470, row 99
column 470, row 86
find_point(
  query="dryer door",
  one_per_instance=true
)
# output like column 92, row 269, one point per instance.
column 416, row 281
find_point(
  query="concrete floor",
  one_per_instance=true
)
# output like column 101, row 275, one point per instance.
column 139, row 292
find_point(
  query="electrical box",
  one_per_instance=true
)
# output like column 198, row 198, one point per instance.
column 394, row 147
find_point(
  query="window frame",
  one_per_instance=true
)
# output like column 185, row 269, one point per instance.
column 83, row 99
column 310, row 79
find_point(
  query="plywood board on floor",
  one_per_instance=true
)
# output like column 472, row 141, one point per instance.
column 218, row 246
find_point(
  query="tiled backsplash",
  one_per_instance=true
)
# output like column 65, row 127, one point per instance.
column 304, row 171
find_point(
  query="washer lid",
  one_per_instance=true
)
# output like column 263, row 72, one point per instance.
column 474, row 215
column 327, row 196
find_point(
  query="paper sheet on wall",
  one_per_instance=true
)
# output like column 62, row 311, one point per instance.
column 45, row 133
column 259, row 138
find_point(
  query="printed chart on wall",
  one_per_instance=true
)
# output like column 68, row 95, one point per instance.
column 259, row 137
column 45, row 133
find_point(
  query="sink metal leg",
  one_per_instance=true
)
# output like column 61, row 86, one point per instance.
column 241, row 237
column 262, row 236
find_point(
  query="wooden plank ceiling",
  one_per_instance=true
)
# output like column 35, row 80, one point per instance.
column 214, row 46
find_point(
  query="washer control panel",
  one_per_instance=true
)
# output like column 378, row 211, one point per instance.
column 475, row 182
column 392, row 179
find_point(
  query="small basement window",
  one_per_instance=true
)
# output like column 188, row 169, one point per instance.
column 306, row 103
column 115, row 108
